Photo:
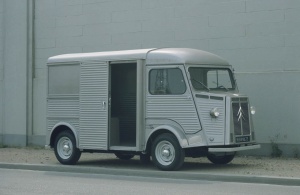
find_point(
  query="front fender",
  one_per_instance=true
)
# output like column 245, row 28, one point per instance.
column 178, row 132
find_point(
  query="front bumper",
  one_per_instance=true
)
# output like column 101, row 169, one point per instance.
column 235, row 149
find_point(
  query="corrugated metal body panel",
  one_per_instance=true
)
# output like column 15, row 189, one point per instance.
column 178, row 108
column 72, row 122
column 214, row 128
column 93, row 105
column 63, row 108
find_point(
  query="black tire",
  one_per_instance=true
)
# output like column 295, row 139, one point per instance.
column 123, row 156
column 65, row 148
column 220, row 160
column 145, row 158
column 166, row 152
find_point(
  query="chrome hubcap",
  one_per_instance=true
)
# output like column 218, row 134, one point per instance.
column 64, row 147
column 165, row 153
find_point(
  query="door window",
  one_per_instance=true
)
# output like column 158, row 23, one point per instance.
column 168, row 81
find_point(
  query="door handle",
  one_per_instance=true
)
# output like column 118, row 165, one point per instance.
column 103, row 105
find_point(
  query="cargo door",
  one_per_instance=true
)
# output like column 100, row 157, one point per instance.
column 93, row 105
column 123, row 88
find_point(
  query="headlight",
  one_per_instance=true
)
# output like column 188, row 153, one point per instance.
column 252, row 110
column 214, row 112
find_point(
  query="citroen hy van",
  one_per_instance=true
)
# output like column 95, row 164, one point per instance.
column 161, row 104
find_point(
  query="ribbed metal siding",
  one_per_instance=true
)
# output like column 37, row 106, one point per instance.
column 72, row 122
column 63, row 108
column 214, row 127
column 179, row 108
column 93, row 114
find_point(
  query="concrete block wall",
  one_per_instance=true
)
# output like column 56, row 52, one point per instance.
column 1, row 68
column 14, row 72
column 260, row 38
column 267, row 67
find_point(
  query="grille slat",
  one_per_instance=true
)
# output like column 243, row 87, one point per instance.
column 241, row 121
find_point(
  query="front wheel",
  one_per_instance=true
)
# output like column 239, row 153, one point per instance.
column 65, row 148
column 220, row 159
column 166, row 152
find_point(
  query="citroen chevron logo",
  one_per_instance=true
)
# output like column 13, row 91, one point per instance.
column 240, row 114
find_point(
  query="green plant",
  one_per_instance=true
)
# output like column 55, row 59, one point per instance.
column 3, row 146
column 296, row 153
column 276, row 151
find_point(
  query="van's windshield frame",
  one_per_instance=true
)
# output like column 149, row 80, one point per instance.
column 211, row 78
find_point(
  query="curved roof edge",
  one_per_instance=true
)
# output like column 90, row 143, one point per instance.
column 102, row 56
column 183, row 56
column 153, row 56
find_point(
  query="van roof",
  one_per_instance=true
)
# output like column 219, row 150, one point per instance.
column 153, row 56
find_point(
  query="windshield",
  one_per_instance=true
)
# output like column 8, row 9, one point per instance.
column 211, row 79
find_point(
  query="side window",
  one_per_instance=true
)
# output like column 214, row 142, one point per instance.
column 166, row 81
column 64, row 79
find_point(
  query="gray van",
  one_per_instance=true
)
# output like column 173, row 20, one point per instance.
column 162, row 104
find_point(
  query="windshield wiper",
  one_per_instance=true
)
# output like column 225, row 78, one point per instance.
column 220, row 86
column 201, row 84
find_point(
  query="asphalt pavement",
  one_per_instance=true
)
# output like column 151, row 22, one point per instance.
column 45, row 182
column 265, row 170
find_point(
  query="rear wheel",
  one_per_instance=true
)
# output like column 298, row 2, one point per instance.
column 220, row 159
column 123, row 156
column 167, row 154
column 65, row 148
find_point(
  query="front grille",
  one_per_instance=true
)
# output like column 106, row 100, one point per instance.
column 240, row 112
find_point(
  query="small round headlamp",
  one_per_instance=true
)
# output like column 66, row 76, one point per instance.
column 252, row 110
column 214, row 112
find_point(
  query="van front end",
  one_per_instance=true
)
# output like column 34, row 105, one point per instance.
column 239, row 131
column 225, row 115
column 226, row 121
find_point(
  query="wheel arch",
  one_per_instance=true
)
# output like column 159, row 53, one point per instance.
column 182, row 140
column 59, row 127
